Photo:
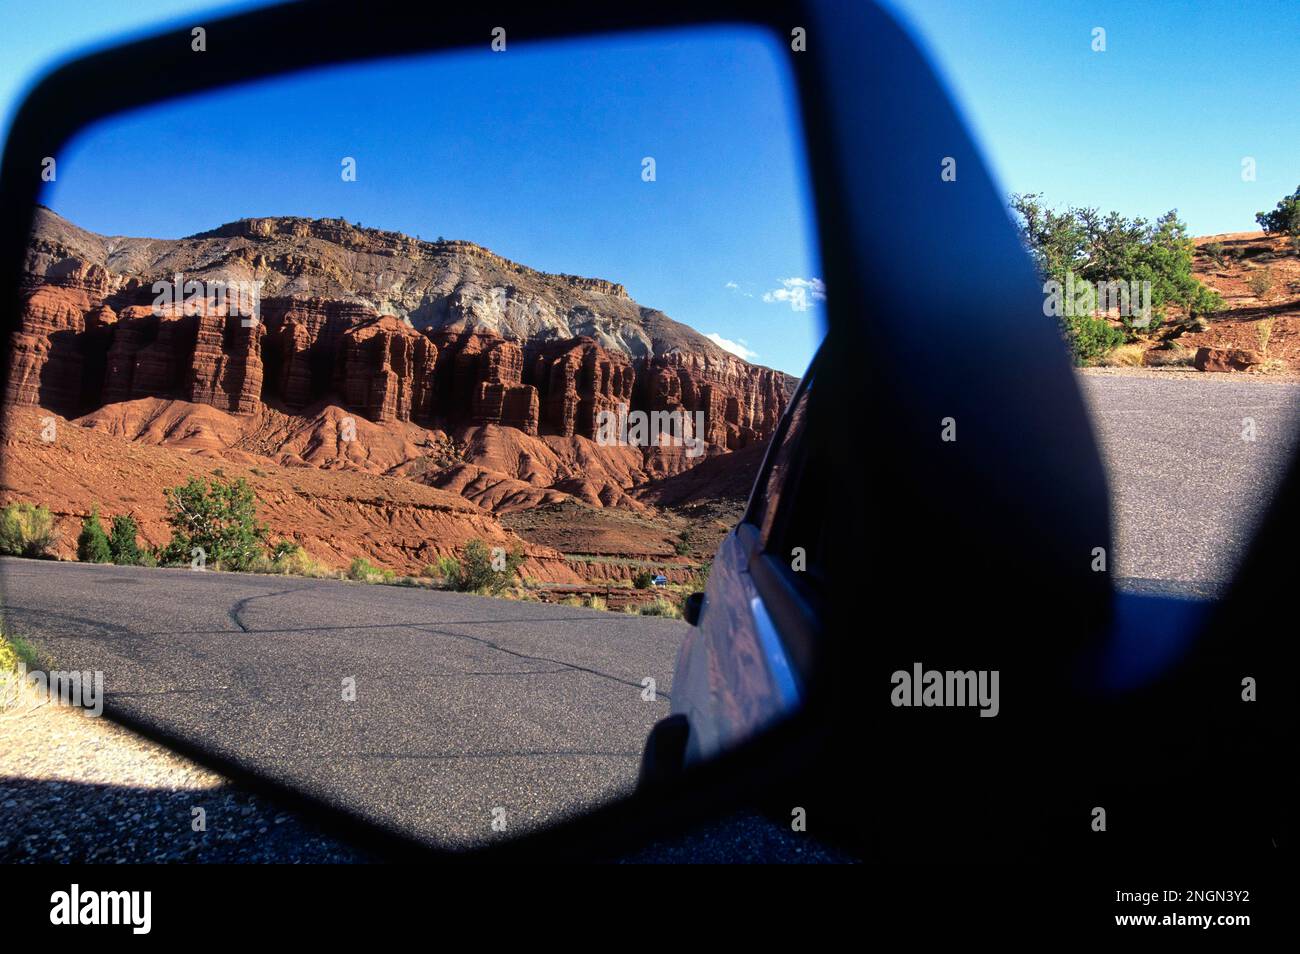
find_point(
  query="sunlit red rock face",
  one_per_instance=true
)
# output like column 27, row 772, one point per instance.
column 386, row 326
column 393, row 398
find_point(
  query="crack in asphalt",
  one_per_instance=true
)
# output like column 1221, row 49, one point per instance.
column 240, row 605
column 417, row 624
column 234, row 614
column 101, row 627
column 557, row 662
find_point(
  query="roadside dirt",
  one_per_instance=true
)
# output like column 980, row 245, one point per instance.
column 1272, row 377
column 81, row 789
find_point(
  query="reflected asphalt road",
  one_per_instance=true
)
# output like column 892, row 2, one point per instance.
column 464, row 705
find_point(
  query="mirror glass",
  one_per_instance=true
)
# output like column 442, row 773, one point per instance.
column 413, row 400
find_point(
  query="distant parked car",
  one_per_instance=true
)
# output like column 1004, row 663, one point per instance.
column 659, row 580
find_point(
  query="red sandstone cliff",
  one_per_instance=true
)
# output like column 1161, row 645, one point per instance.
column 393, row 398
column 390, row 328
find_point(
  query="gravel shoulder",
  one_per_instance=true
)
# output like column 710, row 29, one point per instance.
column 81, row 789
column 1190, row 374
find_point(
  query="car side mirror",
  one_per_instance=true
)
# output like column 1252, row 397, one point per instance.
column 692, row 607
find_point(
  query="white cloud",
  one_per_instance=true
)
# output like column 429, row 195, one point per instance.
column 731, row 285
column 800, row 293
column 735, row 287
column 735, row 347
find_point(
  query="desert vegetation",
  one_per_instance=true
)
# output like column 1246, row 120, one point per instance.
column 15, row 654
column 1082, row 247
column 26, row 531
column 14, row 651
column 215, row 526
column 661, row 607
column 1260, row 283
column 1284, row 219
column 480, row 570
column 213, row 521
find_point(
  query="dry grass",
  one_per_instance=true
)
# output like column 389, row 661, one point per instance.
column 657, row 608
column 1264, row 332
column 1175, row 356
column 15, row 652
column 585, row 602
column 296, row 563
column 1125, row 356
column 1260, row 283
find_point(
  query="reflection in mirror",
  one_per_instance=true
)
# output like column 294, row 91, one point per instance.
column 412, row 402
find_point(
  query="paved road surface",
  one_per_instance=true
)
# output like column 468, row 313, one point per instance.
column 463, row 704
column 1186, row 487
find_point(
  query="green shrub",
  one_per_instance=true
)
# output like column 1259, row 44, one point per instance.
column 284, row 548
column 1091, row 339
column 1215, row 251
column 446, row 571
column 363, row 571
column 26, row 530
column 1201, row 302
column 217, row 516
column 1285, row 217
column 643, row 580
column 123, row 547
column 1085, row 246
column 474, row 571
column 92, row 542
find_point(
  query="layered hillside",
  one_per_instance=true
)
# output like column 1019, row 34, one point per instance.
column 336, row 516
column 387, row 326
column 437, row 364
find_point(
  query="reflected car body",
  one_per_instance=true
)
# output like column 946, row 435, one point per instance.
column 733, row 675
column 743, row 665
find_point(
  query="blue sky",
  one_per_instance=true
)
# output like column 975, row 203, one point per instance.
column 1162, row 119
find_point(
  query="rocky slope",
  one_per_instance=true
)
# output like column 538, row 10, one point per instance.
column 1258, row 328
column 436, row 367
column 390, row 327
column 1258, row 276
column 335, row 516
